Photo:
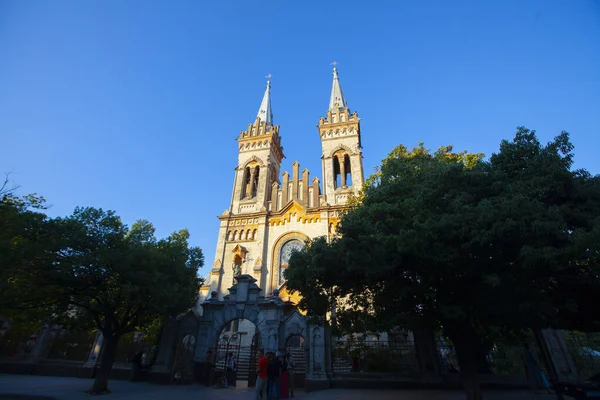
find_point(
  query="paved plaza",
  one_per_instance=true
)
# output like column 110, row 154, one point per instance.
column 14, row 387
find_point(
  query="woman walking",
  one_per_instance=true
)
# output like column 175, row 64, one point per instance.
column 284, row 377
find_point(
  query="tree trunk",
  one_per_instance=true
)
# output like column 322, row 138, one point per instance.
column 107, row 358
column 429, row 363
column 463, row 338
column 482, row 348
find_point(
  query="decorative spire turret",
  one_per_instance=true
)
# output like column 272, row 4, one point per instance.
column 340, row 141
column 264, row 112
column 337, row 99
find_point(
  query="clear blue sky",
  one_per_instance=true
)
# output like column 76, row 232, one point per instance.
column 134, row 105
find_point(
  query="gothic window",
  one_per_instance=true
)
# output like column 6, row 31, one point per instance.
column 285, row 254
column 250, row 181
column 342, row 173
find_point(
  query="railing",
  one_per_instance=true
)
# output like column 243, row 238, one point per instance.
column 17, row 344
column 585, row 351
column 70, row 345
column 386, row 354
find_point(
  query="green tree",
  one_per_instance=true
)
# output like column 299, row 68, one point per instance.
column 117, row 278
column 451, row 240
column 27, row 241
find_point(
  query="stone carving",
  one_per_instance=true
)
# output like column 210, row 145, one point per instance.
column 237, row 269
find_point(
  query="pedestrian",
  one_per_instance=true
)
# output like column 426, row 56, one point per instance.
column 230, row 366
column 274, row 374
column 261, row 376
column 209, row 368
column 283, row 379
column 136, row 366
column 291, row 364
column 535, row 376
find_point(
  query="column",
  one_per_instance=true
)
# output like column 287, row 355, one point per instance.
column 161, row 371
column 316, row 369
column 92, row 360
column 40, row 346
column 252, row 182
column 274, row 192
column 342, row 162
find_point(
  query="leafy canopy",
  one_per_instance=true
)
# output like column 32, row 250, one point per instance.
column 90, row 267
column 449, row 238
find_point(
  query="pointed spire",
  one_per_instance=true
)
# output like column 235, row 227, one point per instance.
column 264, row 112
column 337, row 99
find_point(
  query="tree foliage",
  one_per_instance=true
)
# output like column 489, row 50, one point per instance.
column 452, row 240
column 90, row 268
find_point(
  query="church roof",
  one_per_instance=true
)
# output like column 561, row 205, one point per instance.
column 264, row 112
column 337, row 99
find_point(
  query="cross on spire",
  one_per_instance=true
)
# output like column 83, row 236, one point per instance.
column 337, row 99
column 264, row 112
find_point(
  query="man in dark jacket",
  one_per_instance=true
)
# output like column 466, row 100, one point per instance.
column 273, row 373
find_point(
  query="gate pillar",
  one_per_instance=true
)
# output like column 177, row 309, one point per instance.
column 316, row 368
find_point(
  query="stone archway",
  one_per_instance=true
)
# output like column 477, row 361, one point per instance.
column 274, row 319
column 244, row 302
column 240, row 340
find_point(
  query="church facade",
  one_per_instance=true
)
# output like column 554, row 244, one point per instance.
column 272, row 213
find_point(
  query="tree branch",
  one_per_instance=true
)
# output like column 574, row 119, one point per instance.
column 133, row 321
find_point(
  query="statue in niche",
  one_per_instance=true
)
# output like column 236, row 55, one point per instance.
column 237, row 267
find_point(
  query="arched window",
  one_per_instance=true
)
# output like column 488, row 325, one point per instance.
column 250, row 180
column 254, row 234
column 342, row 172
column 248, row 234
column 228, row 236
column 234, row 238
column 188, row 342
column 286, row 252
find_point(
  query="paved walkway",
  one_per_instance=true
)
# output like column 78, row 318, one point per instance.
column 74, row 389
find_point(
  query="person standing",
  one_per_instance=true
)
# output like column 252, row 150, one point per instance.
column 291, row 363
column 274, row 374
column 535, row 376
column 283, row 379
column 261, row 376
column 209, row 368
column 230, row 365
column 136, row 366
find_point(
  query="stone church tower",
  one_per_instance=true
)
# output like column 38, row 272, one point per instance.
column 270, row 216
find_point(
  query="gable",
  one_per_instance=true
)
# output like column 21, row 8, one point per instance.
column 294, row 210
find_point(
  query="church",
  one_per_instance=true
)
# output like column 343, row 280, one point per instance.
column 272, row 213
